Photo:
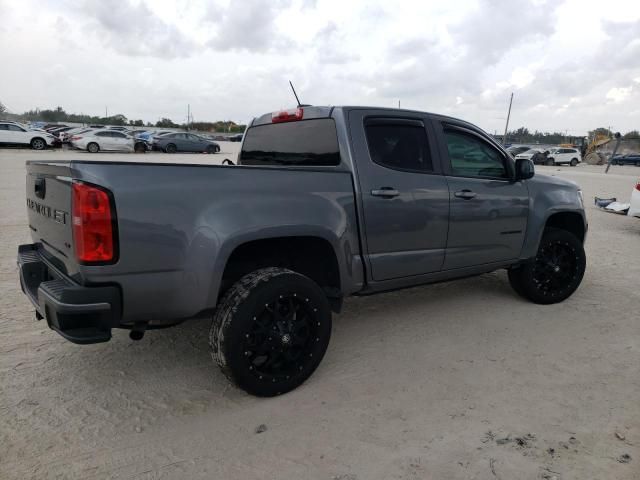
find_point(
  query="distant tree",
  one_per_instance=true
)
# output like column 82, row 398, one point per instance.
column 600, row 131
column 166, row 123
column 149, row 124
column 3, row 109
column 632, row 134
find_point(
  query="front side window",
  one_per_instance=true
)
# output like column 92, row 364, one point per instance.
column 15, row 128
column 472, row 157
column 399, row 146
column 307, row 142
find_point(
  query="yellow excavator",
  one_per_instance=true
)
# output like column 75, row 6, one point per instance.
column 592, row 156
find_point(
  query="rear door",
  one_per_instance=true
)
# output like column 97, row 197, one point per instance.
column 105, row 140
column 18, row 135
column 405, row 199
column 180, row 141
column 488, row 210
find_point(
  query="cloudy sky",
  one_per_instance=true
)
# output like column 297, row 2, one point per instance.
column 573, row 65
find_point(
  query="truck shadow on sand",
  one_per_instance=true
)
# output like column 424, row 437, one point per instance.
column 177, row 359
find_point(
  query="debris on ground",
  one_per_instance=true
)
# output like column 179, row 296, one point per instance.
column 612, row 205
column 492, row 462
column 620, row 436
column 488, row 436
column 624, row 458
column 603, row 202
column 261, row 428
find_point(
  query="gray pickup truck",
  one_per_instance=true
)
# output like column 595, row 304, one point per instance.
column 325, row 202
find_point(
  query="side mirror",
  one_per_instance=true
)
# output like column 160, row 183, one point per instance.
column 524, row 169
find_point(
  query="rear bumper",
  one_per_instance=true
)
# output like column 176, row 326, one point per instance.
column 80, row 314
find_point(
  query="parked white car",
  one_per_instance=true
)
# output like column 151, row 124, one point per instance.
column 528, row 155
column 569, row 156
column 105, row 139
column 17, row 135
column 634, row 207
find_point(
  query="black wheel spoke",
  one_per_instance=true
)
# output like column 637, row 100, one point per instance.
column 279, row 339
column 555, row 267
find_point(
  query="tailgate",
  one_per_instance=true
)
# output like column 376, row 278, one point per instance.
column 49, row 212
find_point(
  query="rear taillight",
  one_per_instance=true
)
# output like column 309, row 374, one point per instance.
column 93, row 231
column 75, row 138
column 291, row 115
column 638, row 186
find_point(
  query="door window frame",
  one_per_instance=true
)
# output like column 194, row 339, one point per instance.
column 420, row 122
column 468, row 130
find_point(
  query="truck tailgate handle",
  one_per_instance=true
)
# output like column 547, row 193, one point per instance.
column 466, row 194
column 385, row 192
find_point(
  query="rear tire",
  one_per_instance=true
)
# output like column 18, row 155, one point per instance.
column 171, row 148
column 556, row 271
column 550, row 162
column 211, row 149
column 270, row 331
column 93, row 147
column 38, row 144
column 574, row 162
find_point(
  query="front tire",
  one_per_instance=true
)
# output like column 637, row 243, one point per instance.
column 550, row 162
column 574, row 162
column 211, row 149
column 556, row 271
column 93, row 148
column 270, row 331
column 171, row 148
column 38, row 144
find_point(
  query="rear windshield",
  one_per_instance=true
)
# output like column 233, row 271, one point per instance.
column 308, row 142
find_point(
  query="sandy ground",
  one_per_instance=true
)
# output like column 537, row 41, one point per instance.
column 451, row 381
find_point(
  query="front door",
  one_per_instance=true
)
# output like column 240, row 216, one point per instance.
column 405, row 200
column 488, row 216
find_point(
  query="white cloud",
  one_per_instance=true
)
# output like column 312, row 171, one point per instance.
column 618, row 94
column 570, row 63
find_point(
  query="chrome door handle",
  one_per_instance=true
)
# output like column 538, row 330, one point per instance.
column 385, row 192
column 465, row 194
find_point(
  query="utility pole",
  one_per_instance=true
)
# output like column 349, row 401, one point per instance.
column 106, row 112
column 398, row 103
column 506, row 127
column 188, row 115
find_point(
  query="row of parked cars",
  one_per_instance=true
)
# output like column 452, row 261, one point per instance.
column 547, row 156
column 96, row 138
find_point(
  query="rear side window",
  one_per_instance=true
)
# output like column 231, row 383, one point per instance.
column 400, row 147
column 307, row 142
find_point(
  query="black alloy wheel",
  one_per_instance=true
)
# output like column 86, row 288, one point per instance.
column 270, row 331
column 555, row 272
column 279, row 338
